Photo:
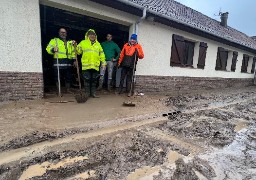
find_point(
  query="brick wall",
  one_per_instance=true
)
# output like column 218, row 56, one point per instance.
column 20, row 85
column 166, row 83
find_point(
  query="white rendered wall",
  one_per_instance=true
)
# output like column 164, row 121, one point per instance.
column 156, row 40
column 20, row 42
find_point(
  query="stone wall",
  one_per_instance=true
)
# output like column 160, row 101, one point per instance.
column 20, row 85
column 167, row 83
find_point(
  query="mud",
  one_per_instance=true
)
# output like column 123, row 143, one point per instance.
column 112, row 157
column 213, row 137
column 37, row 137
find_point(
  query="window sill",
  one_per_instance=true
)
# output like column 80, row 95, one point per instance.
column 223, row 70
column 186, row 67
column 247, row 73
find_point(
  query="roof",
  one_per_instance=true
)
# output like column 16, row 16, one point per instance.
column 191, row 17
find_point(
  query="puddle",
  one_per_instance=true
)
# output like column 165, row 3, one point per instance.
column 240, row 125
column 145, row 173
column 235, row 161
column 173, row 156
column 216, row 104
column 40, row 169
column 85, row 175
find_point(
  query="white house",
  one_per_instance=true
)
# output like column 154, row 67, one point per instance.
column 183, row 48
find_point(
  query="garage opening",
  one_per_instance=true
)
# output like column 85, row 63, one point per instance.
column 52, row 19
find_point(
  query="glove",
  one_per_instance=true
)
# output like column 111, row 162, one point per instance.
column 101, row 77
column 55, row 49
column 74, row 43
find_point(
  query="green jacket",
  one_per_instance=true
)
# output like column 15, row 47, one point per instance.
column 110, row 50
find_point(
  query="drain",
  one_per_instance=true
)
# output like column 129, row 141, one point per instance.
column 171, row 114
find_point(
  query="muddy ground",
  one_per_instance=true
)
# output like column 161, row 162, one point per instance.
column 196, row 135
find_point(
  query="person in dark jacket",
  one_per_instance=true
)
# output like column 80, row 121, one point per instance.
column 131, row 52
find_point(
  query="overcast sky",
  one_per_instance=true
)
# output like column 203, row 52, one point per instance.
column 241, row 12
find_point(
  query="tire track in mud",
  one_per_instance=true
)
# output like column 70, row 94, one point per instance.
column 13, row 155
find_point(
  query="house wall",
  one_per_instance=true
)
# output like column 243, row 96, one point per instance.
column 21, row 52
column 20, row 42
column 156, row 40
column 154, row 72
column 21, row 74
column 20, row 49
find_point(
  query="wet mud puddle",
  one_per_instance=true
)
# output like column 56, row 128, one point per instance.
column 41, row 169
column 237, row 160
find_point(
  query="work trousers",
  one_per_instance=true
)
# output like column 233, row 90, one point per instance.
column 65, row 67
column 90, row 81
column 110, row 67
column 126, row 72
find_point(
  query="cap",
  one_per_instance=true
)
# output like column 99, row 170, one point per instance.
column 134, row 37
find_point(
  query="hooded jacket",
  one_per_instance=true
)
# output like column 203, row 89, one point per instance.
column 92, row 53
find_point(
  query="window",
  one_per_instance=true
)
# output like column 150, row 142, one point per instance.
column 182, row 51
column 202, row 55
column 253, row 65
column 234, row 60
column 222, row 58
column 245, row 63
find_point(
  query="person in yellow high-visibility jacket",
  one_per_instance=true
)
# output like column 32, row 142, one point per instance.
column 64, row 50
column 92, row 57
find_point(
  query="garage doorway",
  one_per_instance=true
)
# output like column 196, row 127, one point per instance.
column 52, row 19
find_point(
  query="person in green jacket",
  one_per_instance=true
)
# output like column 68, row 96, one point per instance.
column 112, row 52
column 92, row 57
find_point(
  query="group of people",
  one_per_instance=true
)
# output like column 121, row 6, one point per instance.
column 96, row 58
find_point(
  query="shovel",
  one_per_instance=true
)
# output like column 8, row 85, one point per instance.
column 80, row 97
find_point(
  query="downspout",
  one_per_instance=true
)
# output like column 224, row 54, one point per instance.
column 136, row 25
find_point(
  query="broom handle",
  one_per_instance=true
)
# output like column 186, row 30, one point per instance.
column 58, row 69
column 133, row 71
column 77, row 69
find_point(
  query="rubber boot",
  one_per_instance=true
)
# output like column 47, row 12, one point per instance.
column 100, row 84
column 120, row 89
column 109, row 85
column 93, row 90
column 67, row 85
column 129, row 90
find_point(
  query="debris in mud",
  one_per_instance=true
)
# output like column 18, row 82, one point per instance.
column 219, row 114
column 184, row 171
column 217, row 133
column 36, row 137
column 113, row 156
column 204, row 168
column 204, row 100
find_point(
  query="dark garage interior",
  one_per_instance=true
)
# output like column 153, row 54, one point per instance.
column 52, row 19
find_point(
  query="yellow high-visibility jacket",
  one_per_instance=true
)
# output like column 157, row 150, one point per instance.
column 92, row 54
column 62, row 53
